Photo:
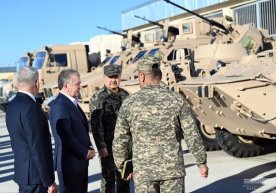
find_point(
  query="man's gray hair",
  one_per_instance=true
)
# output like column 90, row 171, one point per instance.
column 65, row 77
column 27, row 75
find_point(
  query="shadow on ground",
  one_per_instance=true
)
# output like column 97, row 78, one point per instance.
column 243, row 182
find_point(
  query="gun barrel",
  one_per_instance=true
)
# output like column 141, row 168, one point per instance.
column 114, row 32
column 210, row 21
column 152, row 22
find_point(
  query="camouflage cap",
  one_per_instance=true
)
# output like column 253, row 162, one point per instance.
column 149, row 64
column 113, row 69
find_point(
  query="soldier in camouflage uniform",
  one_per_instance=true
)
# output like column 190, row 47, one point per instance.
column 157, row 119
column 104, row 107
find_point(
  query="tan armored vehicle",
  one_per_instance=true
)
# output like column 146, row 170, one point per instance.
column 234, row 105
column 53, row 59
column 236, row 109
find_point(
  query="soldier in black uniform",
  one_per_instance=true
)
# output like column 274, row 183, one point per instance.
column 104, row 108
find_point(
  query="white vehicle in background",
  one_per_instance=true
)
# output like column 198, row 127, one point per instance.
column 7, row 82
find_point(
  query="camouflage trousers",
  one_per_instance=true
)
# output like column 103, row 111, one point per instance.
column 164, row 186
column 111, row 177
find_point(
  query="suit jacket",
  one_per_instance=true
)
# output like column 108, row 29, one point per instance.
column 70, row 129
column 31, row 142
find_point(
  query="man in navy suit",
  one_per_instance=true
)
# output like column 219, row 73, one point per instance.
column 30, row 137
column 73, row 148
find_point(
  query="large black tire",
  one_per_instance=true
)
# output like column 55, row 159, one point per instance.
column 209, row 140
column 239, row 146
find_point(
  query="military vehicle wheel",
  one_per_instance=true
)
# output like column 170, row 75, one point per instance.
column 209, row 138
column 239, row 146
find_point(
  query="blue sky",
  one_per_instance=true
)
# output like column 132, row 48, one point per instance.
column 31, row 24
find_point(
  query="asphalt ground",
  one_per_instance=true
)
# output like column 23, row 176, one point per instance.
column 226, row 173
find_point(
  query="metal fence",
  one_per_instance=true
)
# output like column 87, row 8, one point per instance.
column 261, row 13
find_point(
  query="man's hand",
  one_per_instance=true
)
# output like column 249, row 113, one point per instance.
column 91, row 154
column 103, row 152
column 53, row 188
column 130, row 177
column 203, row 170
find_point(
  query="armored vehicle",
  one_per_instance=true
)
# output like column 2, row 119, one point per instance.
column 236, row 108
column 51, row 60
column 233, row 106
column 91, row 81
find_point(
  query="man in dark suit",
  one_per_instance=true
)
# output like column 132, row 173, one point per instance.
column 73, row 148
column 30, row 137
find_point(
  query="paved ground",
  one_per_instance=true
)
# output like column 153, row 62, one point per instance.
column 227, row 174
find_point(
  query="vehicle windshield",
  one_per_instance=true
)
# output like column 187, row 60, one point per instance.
column 23, row 61
column 153, row 51
column 138, row 56
column 114, row 59
column 39, row 59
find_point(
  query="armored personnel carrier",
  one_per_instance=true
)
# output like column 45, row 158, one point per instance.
column 236, row 108
column 233, row 106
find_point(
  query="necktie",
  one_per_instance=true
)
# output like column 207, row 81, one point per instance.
column 76, row 102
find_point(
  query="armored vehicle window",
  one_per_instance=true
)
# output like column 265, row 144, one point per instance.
column 114, row 59
column 178, row 54
column 149, row 38
column 138, row 56
column 58, row 60
column 153, row 51
column 39, row 59
column 159, row 35
column 187, row 28
column 22, row 62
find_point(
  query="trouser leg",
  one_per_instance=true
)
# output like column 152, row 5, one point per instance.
column 32, row 188
column 173, row 185
column 122, row 185
column 108, row 175
column 73, row 182
column 163, row 186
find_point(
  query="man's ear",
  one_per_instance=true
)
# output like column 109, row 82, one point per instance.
column 142, row 76
column 37, row 84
